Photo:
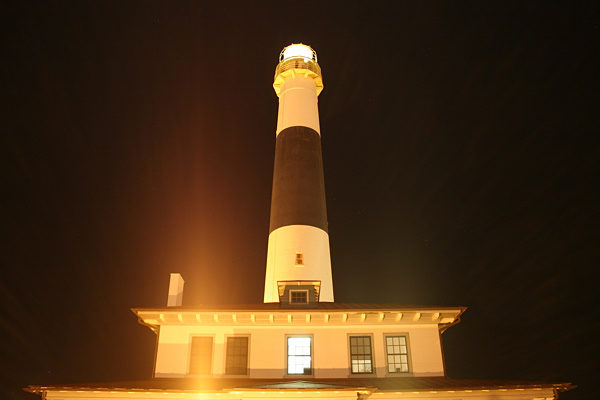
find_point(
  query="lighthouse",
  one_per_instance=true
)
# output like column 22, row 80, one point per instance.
column 297, row 344
column 298, row 258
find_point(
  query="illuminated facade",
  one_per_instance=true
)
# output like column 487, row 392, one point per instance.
column 299, row 343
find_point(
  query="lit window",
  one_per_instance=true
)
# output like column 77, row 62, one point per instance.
column 298, row 51
column 397, row 353
column 299, row 259
column 236, row 362
column 361, row 356
column 299, row 355
column 201, row 355
column 299, row 296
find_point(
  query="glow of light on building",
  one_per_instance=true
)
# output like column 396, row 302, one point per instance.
column 306, row 53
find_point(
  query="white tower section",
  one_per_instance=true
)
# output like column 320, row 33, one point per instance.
column 298, row 82
column 298, row 254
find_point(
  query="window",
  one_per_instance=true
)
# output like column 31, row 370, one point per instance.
column 397, row 353
column 299, row 355
column 361, row 357
column 299, row 259
column 299, row 296
column 201, row 355
column 236, row 361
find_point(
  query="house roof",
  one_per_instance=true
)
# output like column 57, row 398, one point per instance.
column 318, row 314
column 374, row 384
column 318, row 306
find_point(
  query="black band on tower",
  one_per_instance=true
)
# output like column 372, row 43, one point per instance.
column 298, row 183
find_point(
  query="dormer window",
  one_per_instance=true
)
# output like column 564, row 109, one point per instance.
column 298, row 296
column 299, row 260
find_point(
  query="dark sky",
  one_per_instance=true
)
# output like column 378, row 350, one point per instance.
column 460, row 152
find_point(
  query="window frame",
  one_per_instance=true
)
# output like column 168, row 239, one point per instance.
column 298, row 291
column 212, row 354
column 405, row 335
column 361, row 335
column 312, row 354
column 247, row 355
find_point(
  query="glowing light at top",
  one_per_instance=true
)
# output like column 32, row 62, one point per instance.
column 299, row 50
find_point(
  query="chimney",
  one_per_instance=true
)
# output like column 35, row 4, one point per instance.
column 175, row 290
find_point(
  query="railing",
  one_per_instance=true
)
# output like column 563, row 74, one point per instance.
column 297, row 63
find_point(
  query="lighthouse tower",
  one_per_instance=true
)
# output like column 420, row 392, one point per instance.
column 298, row 260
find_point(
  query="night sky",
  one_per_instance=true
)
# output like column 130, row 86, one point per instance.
column 460, row 153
